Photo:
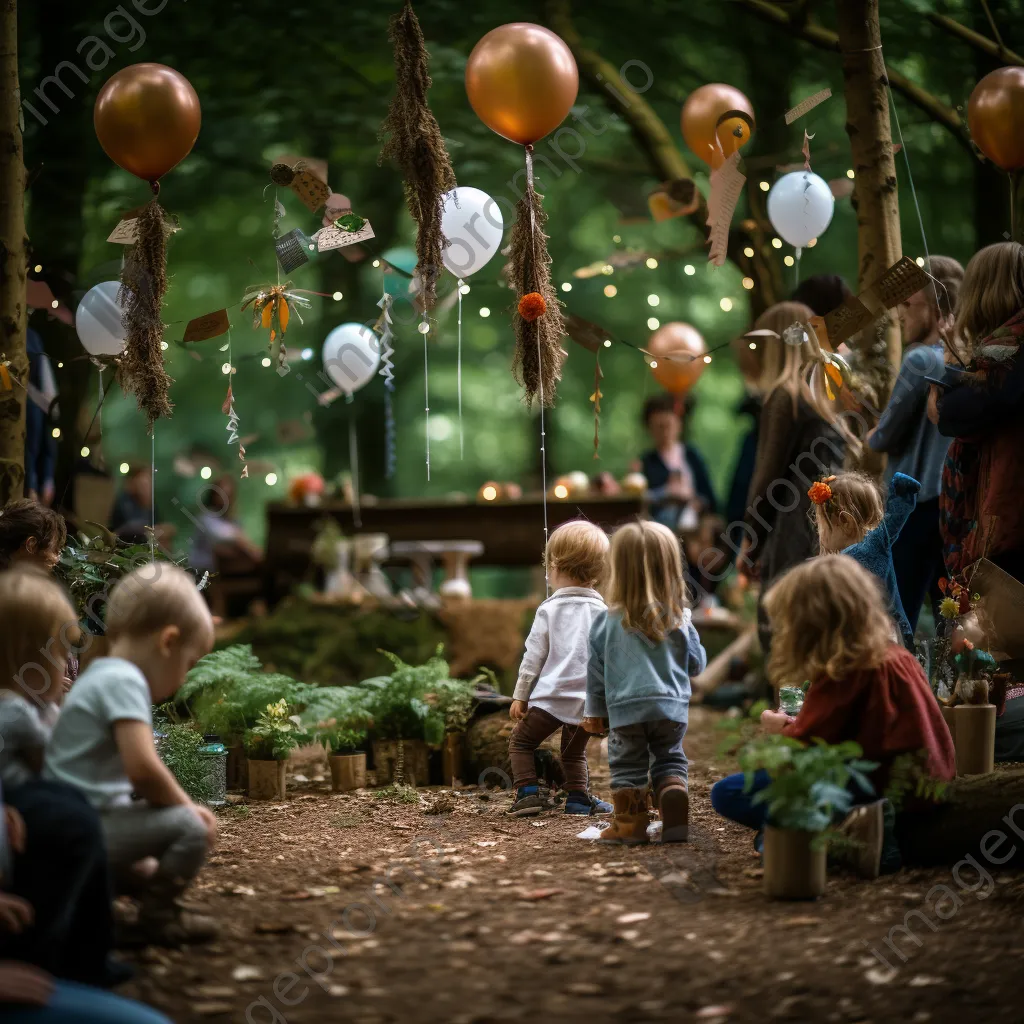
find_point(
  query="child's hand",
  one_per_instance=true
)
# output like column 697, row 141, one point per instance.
column 16, row 914
column 517, row 710
column 209, row 819
column 594, row 725
column 16, row 833
column 773, row 722
column 23, row 983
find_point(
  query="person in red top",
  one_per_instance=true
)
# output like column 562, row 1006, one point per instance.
column 830, row 625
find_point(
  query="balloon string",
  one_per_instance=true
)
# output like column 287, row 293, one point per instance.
column 152, row 491
column 426, row 390
column 353, row 461
column 543, row 432
column 458, row 375
column 796, row 264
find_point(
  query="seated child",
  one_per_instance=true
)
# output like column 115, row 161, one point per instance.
column 849, row 515
column 643, row 651
column 552, row 684
column 829, row 625
column 39, row 629
column 56, row 859
column 158, row 627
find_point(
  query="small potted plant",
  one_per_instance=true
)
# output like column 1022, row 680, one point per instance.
column 806, row 792
column 338, row 718
column 268, row 743
column 451, row 702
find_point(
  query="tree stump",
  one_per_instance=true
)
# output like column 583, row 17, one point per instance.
column 486, row 754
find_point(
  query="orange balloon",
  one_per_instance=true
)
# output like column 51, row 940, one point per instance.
column 677, row 375
column 704, row 109
column 147, row 119
column 521, row 80
column 995, row 117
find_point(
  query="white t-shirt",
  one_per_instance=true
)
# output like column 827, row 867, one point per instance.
column 553, row 674
column 83, row 751
column 23, row 727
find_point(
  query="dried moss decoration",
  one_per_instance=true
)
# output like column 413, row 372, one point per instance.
column 411, row 137
column 537, row 365
column 143, row 284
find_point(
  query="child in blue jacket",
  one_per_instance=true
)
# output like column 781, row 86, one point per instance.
column 643, row 651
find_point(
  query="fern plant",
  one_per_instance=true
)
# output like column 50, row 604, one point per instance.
column 339, row 718
column 228, row 690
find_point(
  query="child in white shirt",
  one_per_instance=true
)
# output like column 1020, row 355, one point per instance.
column 552, row 686
column 158, row 626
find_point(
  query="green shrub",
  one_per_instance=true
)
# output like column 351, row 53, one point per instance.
column 179, row 749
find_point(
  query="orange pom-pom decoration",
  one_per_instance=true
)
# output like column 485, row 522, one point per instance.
column 532, row 306
column 820, row 492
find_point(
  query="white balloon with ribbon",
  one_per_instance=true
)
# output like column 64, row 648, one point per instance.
column 800, row 207
column 98, row 320
column 351, row 356
column 472, row 223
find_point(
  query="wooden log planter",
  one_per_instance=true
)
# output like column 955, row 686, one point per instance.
column 267, row 779
column 411, row 755
column 348, row 771
column 794, row 866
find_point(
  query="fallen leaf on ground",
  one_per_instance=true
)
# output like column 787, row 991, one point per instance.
column 879, row 976
column 801, row 921
column 714, row 1011
column 211, row 1009
column 633, row 918
column 243, row 890
column 921, row 980
column 584, row 988
column 246, row 972
column 541, row 894
column 487, row 842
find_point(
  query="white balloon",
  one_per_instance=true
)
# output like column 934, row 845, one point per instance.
column 800, row 207
column 473, row 228
column 351, row 356
column 98, row 320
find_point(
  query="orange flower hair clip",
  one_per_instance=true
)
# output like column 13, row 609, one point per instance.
column 820, row 492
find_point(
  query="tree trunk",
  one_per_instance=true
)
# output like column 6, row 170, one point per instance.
column 867, row 124
column 977, row 804
column 12, row 261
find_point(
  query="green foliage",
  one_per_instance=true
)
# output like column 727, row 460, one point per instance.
column 808, row 783
column 179, row 749
column 275, row 734
column 339, row 718
column 398, row 793
column 227, row 691
column 89, row 567
column 324, row 551
column 909, row 776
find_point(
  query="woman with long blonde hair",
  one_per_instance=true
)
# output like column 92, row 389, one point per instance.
column 981, row 507
column 643, row 651
column 832, row 629
column 798, row 443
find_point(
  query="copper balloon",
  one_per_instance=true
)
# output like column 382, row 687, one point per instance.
column 521, row 80
column 995, row 117
column 701, row 113
column 677, row 339
column 147, row 119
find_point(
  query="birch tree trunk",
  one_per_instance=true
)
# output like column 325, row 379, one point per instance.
column 875, row 196
column 12, row 261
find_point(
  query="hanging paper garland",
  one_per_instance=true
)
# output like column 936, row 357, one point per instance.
column 596, row 399
column 228, row 408
column 412, row 138
column 387, row 371
column 147, row 119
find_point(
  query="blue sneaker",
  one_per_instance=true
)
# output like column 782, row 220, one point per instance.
column 583, row 803
column 528, row 802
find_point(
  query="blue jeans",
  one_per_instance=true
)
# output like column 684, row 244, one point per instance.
column 648, row 748
column 729, row 800
column 78, row 1004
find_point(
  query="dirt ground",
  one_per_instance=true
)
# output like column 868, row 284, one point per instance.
column 516, row 919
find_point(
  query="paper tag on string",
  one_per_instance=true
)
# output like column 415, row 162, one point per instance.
column 210, row 325
column 126, row 232
column 310, row 189
column 726, row 185
column 804, row 106
column 336, row 206
column 847, row 319
column 677, row 198
column 903, row 279
column 337, row 238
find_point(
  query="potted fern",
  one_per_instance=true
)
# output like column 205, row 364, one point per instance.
column 452, row 701
column 806, row 791
column 337, row 716
column 226, row 693
column 268, row 743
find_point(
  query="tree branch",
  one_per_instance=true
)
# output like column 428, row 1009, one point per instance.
column 989, row 47
column 825, row 39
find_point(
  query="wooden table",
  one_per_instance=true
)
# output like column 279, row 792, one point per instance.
column 512, row 532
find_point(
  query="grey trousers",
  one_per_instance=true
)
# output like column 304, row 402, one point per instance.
column 654, row 748
column 174, row 835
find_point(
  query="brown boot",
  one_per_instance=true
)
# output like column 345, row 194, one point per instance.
column 629, row 822
column 674, row 804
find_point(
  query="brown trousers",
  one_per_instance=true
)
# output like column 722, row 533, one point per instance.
column 530, row 732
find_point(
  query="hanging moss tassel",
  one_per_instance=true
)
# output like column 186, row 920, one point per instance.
column 538, row 322
column 143, row 283
column 411, row 137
